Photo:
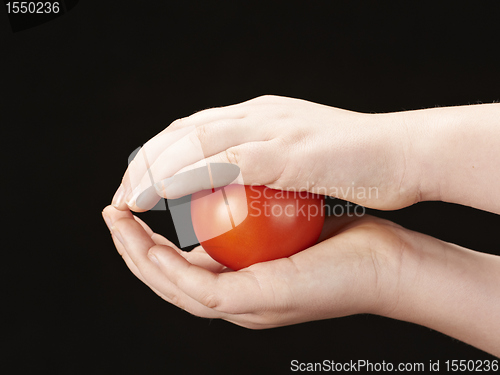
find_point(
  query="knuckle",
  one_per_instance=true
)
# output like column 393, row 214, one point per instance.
column 297, row 136
column 175, row 124
column 202, row 133
column 175, row 300
column 203, row 112
column 259, row 98
column 268, row 97
column 211, row 300
column 232, row 155
column 197, row 113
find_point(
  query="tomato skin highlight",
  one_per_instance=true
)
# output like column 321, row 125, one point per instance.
column 278, row 223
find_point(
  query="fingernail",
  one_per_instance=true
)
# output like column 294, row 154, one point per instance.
column 153, row 259
column 117, row 234
column 133, row 196
column 147, row 199
column 119, row 196
column 107, row 220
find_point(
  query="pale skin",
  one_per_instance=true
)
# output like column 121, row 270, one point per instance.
column 359, row 265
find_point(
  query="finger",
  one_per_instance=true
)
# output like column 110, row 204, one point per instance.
column 204, row 141
column 136, row 243
column 205, row 116
column 199, row 177
column 198, row 256
column 252, row 158
column 125, row 256
column 161, row 240
column 139, row 163
column 114, row 214
column 178, row 129
column 144, row 226
column 228, row 293
column 139, row 168
column 133, row 268
column 158, row 238
column 111, row 214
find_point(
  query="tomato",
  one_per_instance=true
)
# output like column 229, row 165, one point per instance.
column 241, row 225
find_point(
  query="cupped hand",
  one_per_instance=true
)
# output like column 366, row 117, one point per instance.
column 352, row 269
column 282, row 143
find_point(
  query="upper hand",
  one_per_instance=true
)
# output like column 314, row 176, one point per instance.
column 282, row 143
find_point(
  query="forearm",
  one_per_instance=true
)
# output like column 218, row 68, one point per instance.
column 455, row 152
column 452, row 290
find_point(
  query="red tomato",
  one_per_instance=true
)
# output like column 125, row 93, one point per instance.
column 267, row 225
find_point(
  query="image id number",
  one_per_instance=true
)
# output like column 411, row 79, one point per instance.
column 471, row 365
column 32, row 7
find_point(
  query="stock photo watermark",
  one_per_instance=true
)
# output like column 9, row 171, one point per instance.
column 262, row 203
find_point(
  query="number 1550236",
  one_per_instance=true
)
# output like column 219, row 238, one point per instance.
column 32, row 7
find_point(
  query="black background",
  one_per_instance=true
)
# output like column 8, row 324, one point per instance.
column 81, row 92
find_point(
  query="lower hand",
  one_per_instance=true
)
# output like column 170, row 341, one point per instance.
column 351, row 270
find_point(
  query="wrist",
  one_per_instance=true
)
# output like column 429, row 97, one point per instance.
column 400, row 137
column 450, row 289
column 453, row 153
column 428, row 149
column 424, row 146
